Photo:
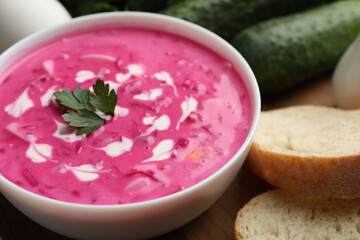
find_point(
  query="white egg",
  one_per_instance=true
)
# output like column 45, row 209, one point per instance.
column 19, row 18
column 346, row 78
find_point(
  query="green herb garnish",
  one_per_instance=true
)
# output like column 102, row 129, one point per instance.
column 103, row 100
column 82, row 103
column 78, row 99
column 87, row 120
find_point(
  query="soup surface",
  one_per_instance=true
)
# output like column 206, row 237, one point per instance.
column 182, row 113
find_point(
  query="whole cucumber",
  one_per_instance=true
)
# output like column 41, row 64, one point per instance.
column 285, row 51
column 228, row 17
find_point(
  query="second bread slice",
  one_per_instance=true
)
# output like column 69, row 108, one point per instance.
column 281, row 215
column 309, row 149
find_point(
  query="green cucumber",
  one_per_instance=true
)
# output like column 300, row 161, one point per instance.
column 286, row 51
column 228, row 17
column 146, row 5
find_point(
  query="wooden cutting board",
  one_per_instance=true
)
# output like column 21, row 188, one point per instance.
column 217, row 222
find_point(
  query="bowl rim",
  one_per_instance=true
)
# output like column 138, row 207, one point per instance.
column 250, row 84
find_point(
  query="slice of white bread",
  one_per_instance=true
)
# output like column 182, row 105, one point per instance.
column 282, row 215
column 309, row 149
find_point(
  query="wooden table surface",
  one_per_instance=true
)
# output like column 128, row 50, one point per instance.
column 218, row 221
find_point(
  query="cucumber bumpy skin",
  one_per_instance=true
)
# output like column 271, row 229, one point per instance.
column 227, row 17
column 286, row 51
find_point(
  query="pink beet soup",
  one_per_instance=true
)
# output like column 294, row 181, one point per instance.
column 182, row 113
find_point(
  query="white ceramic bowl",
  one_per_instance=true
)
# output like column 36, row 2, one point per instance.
column 144, row 219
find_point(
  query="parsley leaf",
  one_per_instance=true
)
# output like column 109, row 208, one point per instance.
column 103, row 100
column 82, row 103
column 78, row 99
column 87, row 120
